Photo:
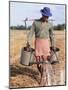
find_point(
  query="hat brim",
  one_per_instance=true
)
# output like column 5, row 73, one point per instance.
column 46, row 14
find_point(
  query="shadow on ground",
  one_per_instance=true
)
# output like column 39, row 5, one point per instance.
column 17, row 70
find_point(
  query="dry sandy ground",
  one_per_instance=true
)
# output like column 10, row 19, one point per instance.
column 28, row 76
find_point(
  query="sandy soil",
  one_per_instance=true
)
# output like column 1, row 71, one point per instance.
column 29, row 76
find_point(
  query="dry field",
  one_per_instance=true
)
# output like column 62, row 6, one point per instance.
column 28, row 76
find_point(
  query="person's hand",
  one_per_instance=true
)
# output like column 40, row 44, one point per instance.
column 52, row 48
column 28, row 45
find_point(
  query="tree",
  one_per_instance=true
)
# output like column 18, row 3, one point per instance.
column 60, row 27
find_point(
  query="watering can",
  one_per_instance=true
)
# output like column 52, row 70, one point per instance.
column 54, row 55
column 27, row 55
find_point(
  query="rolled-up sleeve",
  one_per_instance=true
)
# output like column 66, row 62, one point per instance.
column 31, row 32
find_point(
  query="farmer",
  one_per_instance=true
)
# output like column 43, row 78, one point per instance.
column 41, row 28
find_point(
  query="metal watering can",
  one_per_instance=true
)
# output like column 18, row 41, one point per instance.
column 27, row 55
column 54, row 54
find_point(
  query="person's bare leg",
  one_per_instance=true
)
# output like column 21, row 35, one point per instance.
column 43, row 71
column 44, row 78
column 39, row 65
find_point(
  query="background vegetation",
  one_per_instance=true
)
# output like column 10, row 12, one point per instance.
column 22, row 27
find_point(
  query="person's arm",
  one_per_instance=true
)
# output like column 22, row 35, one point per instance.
column 30, row 34
column 52, row 36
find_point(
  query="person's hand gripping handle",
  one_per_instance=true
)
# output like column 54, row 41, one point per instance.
column 27, row 44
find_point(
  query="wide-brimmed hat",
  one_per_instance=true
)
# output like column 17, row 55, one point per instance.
column 46, row 11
